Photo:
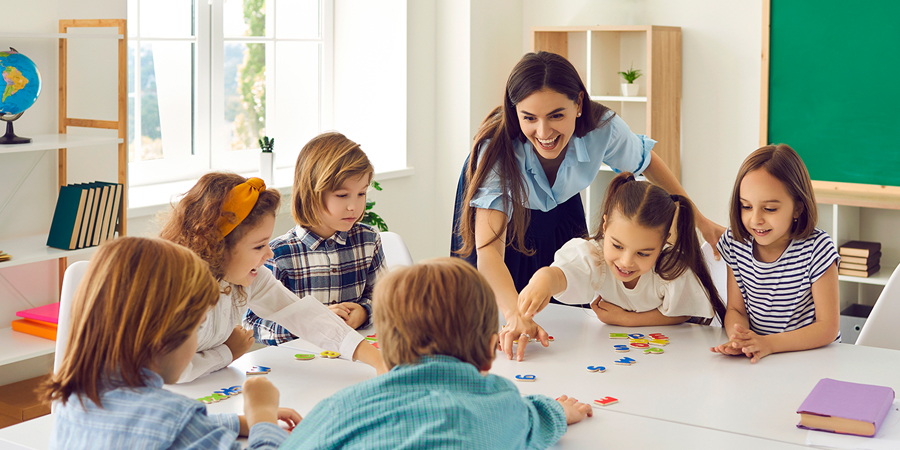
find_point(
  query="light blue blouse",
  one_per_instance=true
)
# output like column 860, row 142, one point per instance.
column 613, row 144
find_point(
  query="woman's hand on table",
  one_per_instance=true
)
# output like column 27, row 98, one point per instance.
column 520, row 329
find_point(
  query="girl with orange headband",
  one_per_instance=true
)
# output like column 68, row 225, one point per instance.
column 227, row 220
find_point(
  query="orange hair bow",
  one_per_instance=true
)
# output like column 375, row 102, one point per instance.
column 240, row 202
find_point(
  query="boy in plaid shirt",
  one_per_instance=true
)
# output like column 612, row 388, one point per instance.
column 329, row 254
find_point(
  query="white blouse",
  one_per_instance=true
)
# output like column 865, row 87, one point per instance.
column 588, row 276
column 306, row 317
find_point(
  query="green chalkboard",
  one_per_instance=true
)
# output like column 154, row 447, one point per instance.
column 834, row 87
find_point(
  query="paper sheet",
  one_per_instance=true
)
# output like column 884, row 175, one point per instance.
column 887, row 437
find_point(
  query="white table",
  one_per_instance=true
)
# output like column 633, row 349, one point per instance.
column 685, row 398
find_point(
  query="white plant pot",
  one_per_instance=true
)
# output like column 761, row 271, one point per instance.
column 267, row 167
column 630, row 89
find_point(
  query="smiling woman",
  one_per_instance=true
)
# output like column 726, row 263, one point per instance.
column 517, row 199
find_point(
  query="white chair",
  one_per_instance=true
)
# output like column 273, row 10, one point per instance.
column 71, row 280
column 395, row 252
column 718, row 270
column 880, row 329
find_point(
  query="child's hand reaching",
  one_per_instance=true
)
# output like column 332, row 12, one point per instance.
column 575, row 411
column 289, row 416
column 260, row 401
column 534, row 297
column 239, row 342
column 352, row 313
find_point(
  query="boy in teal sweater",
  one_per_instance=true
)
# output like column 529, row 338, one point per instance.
column 437, row 329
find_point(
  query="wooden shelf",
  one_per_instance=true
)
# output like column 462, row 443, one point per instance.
column 878, row 279
column 31, row 249
column 57, row 141
column 21, row 346
column 62, row 35
column 618, row 98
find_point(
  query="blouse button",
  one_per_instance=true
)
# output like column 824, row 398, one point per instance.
column 333, row 270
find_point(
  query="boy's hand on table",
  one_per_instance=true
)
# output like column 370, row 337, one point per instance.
column 239, row 342
column 260, row 401
column 575, row 411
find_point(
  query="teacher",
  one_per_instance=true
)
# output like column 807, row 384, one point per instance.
column 518, row 203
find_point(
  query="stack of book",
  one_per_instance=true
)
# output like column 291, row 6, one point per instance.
column 860, row 258
column 847, row 408
column 86, row 215
column 41, row 321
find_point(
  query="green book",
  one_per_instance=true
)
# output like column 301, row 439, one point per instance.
column 67, row 218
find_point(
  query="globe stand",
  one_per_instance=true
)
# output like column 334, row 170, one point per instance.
column 10, row 136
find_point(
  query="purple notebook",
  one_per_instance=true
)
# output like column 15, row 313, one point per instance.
column 854, row 401
column 47, row 313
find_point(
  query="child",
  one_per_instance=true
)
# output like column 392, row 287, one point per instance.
column 329, row 255
column 227, row 220
column 437, row 326
column 134, row 327
column 610, row 268
column 773, row 242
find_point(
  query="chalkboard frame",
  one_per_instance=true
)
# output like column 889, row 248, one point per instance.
column 839, row 193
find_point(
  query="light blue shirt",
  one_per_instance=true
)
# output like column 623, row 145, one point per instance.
column 439, row 403
column 613, row 144
column 150, row 417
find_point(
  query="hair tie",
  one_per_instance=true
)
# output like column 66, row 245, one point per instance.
column 674, row 198
column 630, row 177
column 240, row 202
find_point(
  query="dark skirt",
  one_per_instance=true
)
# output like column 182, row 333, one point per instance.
column 546, row 233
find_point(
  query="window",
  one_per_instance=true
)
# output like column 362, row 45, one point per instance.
column 208, row 78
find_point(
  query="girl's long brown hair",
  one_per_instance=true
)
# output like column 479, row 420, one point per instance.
column 140, row 298
column 193, row 221
column 651, row 207
column 498, row 131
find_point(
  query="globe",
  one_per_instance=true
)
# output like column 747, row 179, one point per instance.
column 21, row 82
column 19, row 90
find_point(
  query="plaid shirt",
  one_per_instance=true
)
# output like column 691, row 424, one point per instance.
column 341, row 268
column 439, row 403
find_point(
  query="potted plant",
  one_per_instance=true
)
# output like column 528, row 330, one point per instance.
column 629, row 89
column 267, row 160
column 370, row 217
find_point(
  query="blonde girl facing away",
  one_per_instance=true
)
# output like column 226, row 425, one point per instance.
column 134, row 327
column 773, row 241
column 328, row 255
column 627, row 270
column 228, row 220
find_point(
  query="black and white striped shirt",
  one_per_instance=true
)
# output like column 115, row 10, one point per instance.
column 778, row 295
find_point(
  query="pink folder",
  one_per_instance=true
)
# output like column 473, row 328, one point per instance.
column 47, row 313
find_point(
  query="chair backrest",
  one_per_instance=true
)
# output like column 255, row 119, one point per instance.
column 880, row 329
column 718, row 270
column 71, row 280
column 395, row 252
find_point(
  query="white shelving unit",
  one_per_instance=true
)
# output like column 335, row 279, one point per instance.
column 18, row 348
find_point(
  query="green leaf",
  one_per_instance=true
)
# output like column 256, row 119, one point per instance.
column 376, row 186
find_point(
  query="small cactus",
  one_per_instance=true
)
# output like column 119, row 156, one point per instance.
column 266, row 144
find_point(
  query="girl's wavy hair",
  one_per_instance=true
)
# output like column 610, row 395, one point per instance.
column 193, row 221
column 140, row 298
column 651, row 207
column 495, row 137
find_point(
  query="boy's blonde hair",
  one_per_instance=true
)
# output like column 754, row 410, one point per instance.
column 139, row 298
column 324, row 164
column 438, row 307
column 783, row 163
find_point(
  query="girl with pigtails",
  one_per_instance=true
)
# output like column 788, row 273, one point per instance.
column 634, row 271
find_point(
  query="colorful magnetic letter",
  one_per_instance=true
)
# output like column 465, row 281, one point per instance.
column 329, row 354
column 636, row 336
column 304, row 356
column 636, row 345
column 618, row 336
column 653, row 351
column 658, row 336
column 228, row 392
column 606, row 401
column 638, row 341
column 621, row 348
column 550, row 338
column 596, row 369
column 525, row 377
column 659, row 342
column 258, row 370
column 625, row 362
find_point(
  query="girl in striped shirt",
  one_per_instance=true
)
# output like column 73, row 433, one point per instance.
column 782, row 270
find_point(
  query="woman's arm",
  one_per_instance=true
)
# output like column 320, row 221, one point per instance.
column 489, row 223
column 659, row 174
column 817, row 334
